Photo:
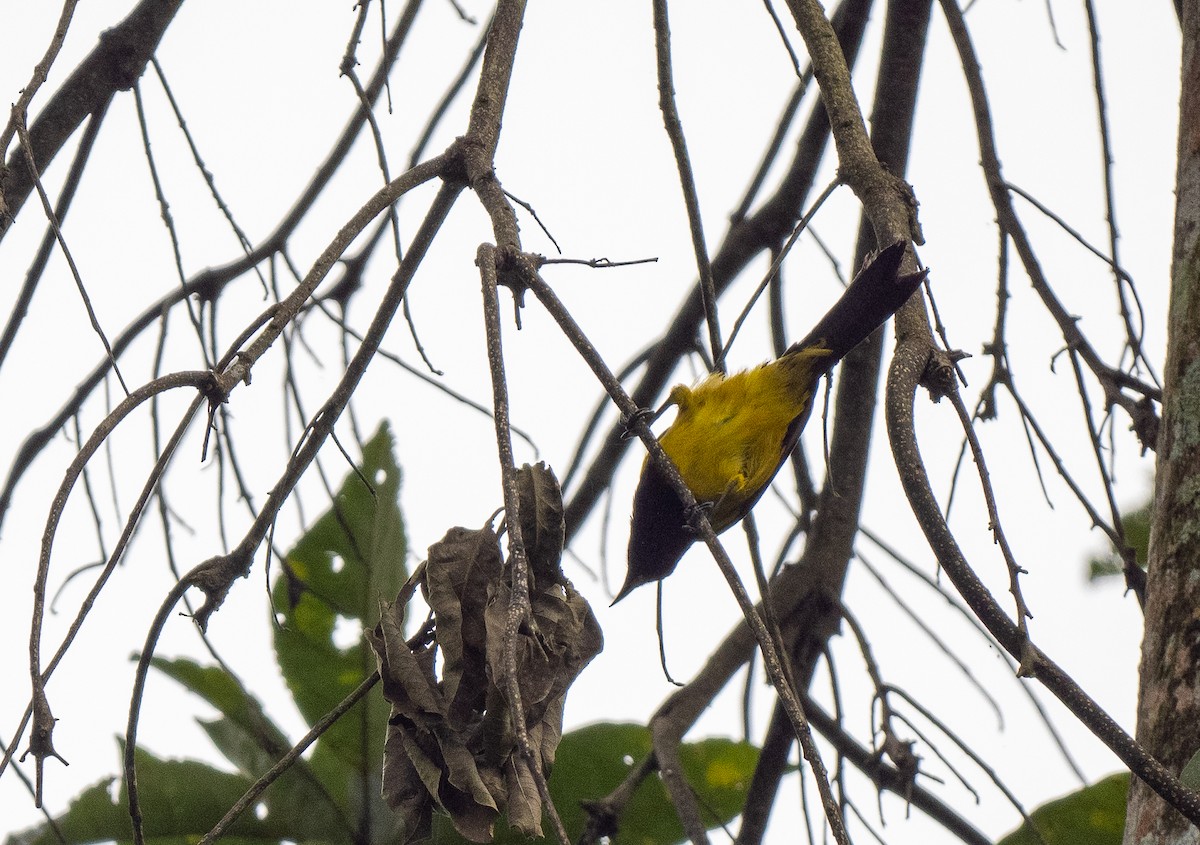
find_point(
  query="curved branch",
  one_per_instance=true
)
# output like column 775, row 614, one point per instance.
column 41, row 742
column 215, row 577
column 202, row 380
column 288, row 308
column 208, row 283
column 913, row 356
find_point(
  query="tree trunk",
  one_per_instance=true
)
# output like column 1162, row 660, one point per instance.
column 1169, row 695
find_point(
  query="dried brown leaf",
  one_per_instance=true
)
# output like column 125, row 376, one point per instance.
column 461, row 567
column 451, row 740
column 403, row 789
column 543, row 529
column 545, row 736
column 467, row 796
column 463, row 773
column 524, row 799
column 408, row 681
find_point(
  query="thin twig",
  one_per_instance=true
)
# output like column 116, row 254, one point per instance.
column 288, row 308
column 966, row 749
column 777, row 261
column 938, row 642
column 965, row 612
column 687, row 180
column 41, row 743
column 33, row 276
column 209, row 179
column 164, row 209
column 113, row 65
column 1113, row 379
column 1133, row 335
column 351, row 332
column 62, row 244
column 994, row 523
column 20, row 109
column 288, row 760
column 216, row 576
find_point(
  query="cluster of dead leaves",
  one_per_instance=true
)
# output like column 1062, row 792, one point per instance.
column 450, row 739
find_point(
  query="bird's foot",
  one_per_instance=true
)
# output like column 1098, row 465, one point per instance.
column 644, row 415
column 693, row 515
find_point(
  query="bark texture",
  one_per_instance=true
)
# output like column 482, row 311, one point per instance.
column 1169, row 694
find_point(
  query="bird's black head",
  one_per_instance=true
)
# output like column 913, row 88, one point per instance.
column 658, row 535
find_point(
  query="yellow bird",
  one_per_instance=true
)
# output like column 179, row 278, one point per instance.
column 731, row 434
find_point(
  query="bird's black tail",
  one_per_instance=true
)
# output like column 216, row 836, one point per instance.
column 873, row 296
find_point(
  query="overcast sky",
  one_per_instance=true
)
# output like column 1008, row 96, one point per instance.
column 583, row 142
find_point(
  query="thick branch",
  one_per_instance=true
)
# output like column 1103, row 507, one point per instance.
column 113, row 65
column 1167, row 694
column 885, row 198
column 912, row 357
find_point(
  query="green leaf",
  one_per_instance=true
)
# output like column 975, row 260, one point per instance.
column 1095, row 815
column 591, row 762
column 91, row 817
column 1190, row 776
column 257, row 738
column 180, row 801
column 351, row 558
column 1136, row 525
column 253, row 743
column 719, row 770
column 594, row 760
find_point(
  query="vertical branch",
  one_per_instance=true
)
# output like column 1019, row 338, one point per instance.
column 1133, row 334
column 519, row 611
column 164, row 209
column 479, row 152
column 687, row 180
column 830, row 543
column 886, row 199
column 1168, row 721
column 487, row 111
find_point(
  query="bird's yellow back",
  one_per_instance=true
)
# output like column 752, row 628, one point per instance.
column 728, row 436
column 732, row 433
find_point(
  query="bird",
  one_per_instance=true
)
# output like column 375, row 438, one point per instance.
column 732, row 433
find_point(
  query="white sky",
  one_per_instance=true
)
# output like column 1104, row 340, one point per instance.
column 583, row 143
